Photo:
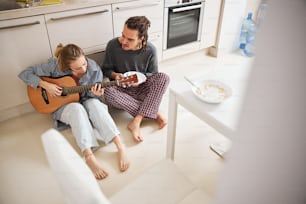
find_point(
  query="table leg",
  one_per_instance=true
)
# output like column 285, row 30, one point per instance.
column 172, row 119
column 221, row 148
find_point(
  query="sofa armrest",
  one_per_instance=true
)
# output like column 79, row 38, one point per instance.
column 75, row 179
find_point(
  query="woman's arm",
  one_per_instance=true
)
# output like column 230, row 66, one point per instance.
column 31, row 75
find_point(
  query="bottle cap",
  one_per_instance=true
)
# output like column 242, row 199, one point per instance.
column 250, row 15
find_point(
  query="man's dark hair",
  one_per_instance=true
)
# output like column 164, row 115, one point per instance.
column 141, row 24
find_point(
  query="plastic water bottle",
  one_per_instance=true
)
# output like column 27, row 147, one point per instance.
column 244, row 31
column 249, row 49
column 247, row 36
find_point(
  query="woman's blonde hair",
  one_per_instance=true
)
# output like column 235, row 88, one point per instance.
column 66, row 54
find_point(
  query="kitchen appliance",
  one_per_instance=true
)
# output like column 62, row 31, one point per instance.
column 182, row 22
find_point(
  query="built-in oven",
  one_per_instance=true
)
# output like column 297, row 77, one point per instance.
column 183, row 22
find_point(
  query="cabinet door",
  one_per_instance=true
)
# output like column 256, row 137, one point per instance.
column 153, row 10
column 210, row 23
column 156, row 39
column 24, row 42
column 89, row 28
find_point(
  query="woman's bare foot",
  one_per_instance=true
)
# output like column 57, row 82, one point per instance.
column 161, row 121
column 95, row 167
column 124, row 162
column 134, row 127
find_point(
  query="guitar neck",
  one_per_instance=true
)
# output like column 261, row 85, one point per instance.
column 83, row 88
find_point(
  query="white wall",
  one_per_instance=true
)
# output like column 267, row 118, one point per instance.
column 252, row 6
column 234, row 11
column 267, row 162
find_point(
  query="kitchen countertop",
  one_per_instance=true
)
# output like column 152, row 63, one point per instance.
column 65, row 6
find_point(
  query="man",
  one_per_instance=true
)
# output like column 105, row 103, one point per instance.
column 133, row 52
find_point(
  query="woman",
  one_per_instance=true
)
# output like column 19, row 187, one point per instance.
column 84, row 116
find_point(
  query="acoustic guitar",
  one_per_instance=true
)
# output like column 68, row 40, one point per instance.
column 44, row 103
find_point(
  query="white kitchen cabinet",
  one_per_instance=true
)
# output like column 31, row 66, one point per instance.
column 210, row 23
column 157, row 40
column 24, row 42
column 153, row 10
column 90, row 28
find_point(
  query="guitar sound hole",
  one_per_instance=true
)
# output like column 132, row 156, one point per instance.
column 64, row 92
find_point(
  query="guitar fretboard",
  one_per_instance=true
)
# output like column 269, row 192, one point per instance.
column 83, row 88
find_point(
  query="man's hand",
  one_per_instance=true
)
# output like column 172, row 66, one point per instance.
column 117, row 76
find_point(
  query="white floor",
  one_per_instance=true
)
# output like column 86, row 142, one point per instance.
column 26, row 178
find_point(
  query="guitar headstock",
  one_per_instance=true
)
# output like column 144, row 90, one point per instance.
column 128, row 81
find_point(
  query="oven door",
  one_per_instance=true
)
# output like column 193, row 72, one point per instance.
column 183, row 24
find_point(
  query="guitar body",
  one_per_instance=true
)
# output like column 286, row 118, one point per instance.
column 44, row 103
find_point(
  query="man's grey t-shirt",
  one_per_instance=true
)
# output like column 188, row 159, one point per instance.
column 121, row 61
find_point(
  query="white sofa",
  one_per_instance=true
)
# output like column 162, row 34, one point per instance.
column 162, row 183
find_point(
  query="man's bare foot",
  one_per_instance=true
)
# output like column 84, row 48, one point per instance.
column 124, row 162
column 135, row 130
column 134, row 127
column 161, row 121
column 95, row 167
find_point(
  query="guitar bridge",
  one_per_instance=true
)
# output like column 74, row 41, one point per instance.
column 44, row 95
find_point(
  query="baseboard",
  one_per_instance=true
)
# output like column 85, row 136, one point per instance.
column 16, row 111
column 213, row 51
column 181, row 50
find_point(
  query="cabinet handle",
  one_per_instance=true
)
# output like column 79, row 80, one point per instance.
column 154, row 38
column 20, row 25
column 76, row 15
column 136, row 6
column 186, row 8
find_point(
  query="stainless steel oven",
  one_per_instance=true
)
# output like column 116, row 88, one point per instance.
column 183, row 22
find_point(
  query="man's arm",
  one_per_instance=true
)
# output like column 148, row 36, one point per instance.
column 108, row 66
column 153, row 60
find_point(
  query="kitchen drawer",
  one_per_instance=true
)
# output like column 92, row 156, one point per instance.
column 90, row 28
column 24, row 42
column 153, row 10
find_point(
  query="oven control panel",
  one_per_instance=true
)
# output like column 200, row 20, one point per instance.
column 169, row 3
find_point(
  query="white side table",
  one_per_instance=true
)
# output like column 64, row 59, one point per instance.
column 222, row 117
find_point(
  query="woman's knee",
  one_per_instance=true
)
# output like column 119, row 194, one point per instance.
column 75, row 109
column 95, row 105
column 73, row 112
